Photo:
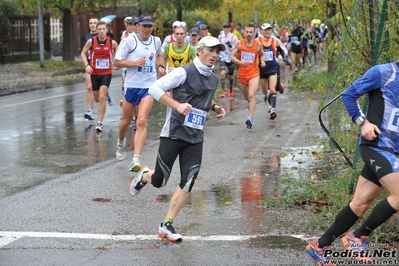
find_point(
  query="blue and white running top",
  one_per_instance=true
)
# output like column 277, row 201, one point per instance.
column 381, row 82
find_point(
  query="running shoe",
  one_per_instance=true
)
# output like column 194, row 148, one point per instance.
column 137, row 183
column 223, row 94
column 167, row 231
column 89, row 115
column 99, row 127
column 249, row 122
column 110, row 100
column 273, row 115
column 318, row 253
column 231, row 92
column 359, row 245
column 281, row 89
column 135, row 166
column 120, row 150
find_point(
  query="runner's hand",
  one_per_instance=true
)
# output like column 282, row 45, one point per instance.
column 220, row 111
column 369, row 131
column 184, row 108
column 140, row 62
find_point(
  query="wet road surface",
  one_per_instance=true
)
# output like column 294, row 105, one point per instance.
column 64, row 198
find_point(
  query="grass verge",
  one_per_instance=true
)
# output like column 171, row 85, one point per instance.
column 53, row 65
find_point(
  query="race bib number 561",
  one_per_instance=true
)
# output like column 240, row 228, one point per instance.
column 195, row 119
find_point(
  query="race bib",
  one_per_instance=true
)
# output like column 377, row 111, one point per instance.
column 226, row 58
column 102, row 64
column 146, row 69
column 248, row 57
column 195, row 119
column 310, row 42
column 269, row 55
column 393, row 124
column 294, row 38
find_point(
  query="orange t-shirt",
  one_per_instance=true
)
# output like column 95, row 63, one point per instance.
column 249, row 54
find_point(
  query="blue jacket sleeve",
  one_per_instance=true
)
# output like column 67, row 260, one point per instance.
column 371, row 80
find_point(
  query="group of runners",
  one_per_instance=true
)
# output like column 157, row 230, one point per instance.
column 182, row 78
column 146, row 62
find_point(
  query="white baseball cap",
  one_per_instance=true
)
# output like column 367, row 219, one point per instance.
column 209, row 41
column 176, row 24
column 127, row 19
column 266, row 26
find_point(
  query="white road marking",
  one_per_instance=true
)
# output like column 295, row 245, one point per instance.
column 7, row 237
column 5, row 240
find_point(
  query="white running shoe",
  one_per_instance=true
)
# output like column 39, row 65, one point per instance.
column 137, row 183
column 135, row 166
column 120, row 150
column 99, row 127
column 167, row 231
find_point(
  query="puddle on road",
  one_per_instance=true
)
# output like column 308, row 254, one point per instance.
column 276, row 242
column 302, row 161
column 296, row 162
column 244, row 199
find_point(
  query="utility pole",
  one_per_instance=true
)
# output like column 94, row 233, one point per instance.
column 41, row 34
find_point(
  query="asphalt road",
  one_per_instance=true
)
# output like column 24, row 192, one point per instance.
column 64, row 197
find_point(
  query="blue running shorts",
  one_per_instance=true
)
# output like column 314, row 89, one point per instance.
column 134, row 95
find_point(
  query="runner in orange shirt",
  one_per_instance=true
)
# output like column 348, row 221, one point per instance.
column 246, row 55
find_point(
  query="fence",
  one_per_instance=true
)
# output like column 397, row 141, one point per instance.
column 55, row 30
column 24, row 34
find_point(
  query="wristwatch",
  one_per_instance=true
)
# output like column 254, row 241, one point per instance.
column 360, row 120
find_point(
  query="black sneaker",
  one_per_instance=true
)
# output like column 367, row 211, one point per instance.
column 167, row 231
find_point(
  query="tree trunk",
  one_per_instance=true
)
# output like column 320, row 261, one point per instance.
column 331, row 11
column 179, row 11
column 67, row 35
column 179, row 15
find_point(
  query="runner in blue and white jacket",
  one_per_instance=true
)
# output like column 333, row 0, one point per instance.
column 379, row 148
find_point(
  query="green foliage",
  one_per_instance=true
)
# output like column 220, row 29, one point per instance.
column 318, row 82
column 8, row 7
column 289, row 191
column 57, row 7
column 184, row 5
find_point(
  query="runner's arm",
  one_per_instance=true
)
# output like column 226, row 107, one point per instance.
column 281, row 48
column 84, row 52
column 234, row 53
column 262, row 55
column 114, row 49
